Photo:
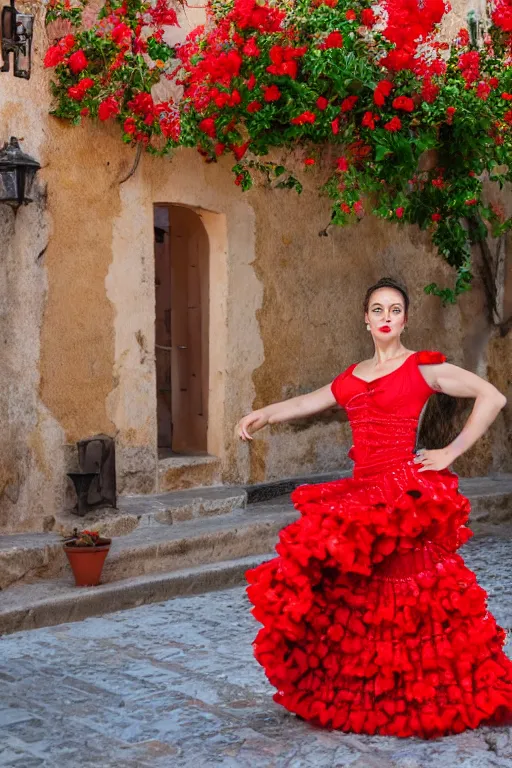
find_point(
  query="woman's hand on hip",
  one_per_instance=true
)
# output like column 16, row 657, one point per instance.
column 434, row 460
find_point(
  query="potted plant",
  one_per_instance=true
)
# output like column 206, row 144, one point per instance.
column 86, row 552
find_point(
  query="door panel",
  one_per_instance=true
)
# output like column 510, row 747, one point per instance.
column 188, row 287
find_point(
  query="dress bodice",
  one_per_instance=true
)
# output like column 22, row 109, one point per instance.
column 384, row 413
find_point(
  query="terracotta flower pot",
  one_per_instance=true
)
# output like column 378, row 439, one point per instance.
column 87, row 563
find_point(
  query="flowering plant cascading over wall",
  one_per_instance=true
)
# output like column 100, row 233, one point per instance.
column 416, row 125
column 108, row 55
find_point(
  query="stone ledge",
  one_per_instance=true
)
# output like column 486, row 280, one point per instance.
column 58, row 601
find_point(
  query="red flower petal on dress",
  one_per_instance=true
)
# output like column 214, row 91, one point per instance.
column 427, row 357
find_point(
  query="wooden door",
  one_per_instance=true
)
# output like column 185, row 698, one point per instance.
column 183, row 316
column 163, row 338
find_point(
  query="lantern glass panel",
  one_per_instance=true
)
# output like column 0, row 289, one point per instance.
column 24, row 31
column 8, row 15
column 30, row 174
column 9, row 190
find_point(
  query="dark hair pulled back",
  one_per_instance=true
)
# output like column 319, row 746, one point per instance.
column 387, row 282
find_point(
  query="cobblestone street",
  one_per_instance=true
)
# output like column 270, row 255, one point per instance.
column 174, row 684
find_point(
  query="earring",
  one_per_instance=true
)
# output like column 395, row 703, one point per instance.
column 367, row 326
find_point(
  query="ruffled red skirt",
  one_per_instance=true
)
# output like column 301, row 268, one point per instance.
column 371, row 621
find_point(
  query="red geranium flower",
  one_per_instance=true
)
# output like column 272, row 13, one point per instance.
column 394, row 124
column 399, row 212
column 368, row 17
column 240, row 150
column 77, row 62
column 429, row 91
column 122, row 34
column 250, row 48
column 350, row 15
column 322, row 103
column 108, row 108
column 483, row 90
column 349, row 103
column 253, row 107
column 369, row 120
column 333, row 40
column 129, row 125
column 271, row 93
column 381, row 92
column 77, row 92
column 54, row 55
column 304, row 117
column 342, row 164
column 208, row 126
column 309, row 161
column 404, row 103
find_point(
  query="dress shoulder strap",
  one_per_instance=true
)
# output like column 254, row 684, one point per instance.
column 429, row 357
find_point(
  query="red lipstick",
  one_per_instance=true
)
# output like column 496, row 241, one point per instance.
column 385, row 329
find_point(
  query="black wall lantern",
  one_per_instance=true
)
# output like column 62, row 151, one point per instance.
column 17, row 172
column 17, row 30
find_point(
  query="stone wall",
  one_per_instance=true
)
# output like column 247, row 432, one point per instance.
column 77, row 310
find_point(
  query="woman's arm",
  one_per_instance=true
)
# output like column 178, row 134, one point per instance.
column 294, row 408
column 458, row 382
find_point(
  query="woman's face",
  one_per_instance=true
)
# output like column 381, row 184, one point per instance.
column 386, row 313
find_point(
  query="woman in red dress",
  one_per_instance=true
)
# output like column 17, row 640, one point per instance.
column 371, row 621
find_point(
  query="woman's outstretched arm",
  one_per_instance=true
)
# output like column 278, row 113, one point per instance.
column 294, row 408
column 458, row 382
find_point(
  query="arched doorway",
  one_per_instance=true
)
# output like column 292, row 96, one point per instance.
column 181, row 330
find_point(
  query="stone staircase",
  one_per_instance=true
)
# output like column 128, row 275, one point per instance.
column 171, row 544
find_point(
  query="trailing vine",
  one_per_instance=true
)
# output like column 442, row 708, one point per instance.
column 414, row 126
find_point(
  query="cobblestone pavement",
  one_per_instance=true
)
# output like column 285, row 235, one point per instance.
column 174, row 684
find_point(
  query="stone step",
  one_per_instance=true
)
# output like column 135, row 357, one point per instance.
column 57, row 601
column 183, row 472
column 159, row 547
column 170, row 507
column 490, row 497
column 152, row 547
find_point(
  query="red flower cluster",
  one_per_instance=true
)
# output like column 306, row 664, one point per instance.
column 409, row 24
column 404, row 103
column 162, row 15
column 333, row 40
column 381, row 92
column 303, row 118
column 469, row 64
column 502, row 15
column 77, row 92
column 283, row 60
column 57, row 53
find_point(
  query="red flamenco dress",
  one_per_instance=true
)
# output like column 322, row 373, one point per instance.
column 371, row 621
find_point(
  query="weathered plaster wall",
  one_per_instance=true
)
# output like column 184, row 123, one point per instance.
column 77, row 312
column 31, row 458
